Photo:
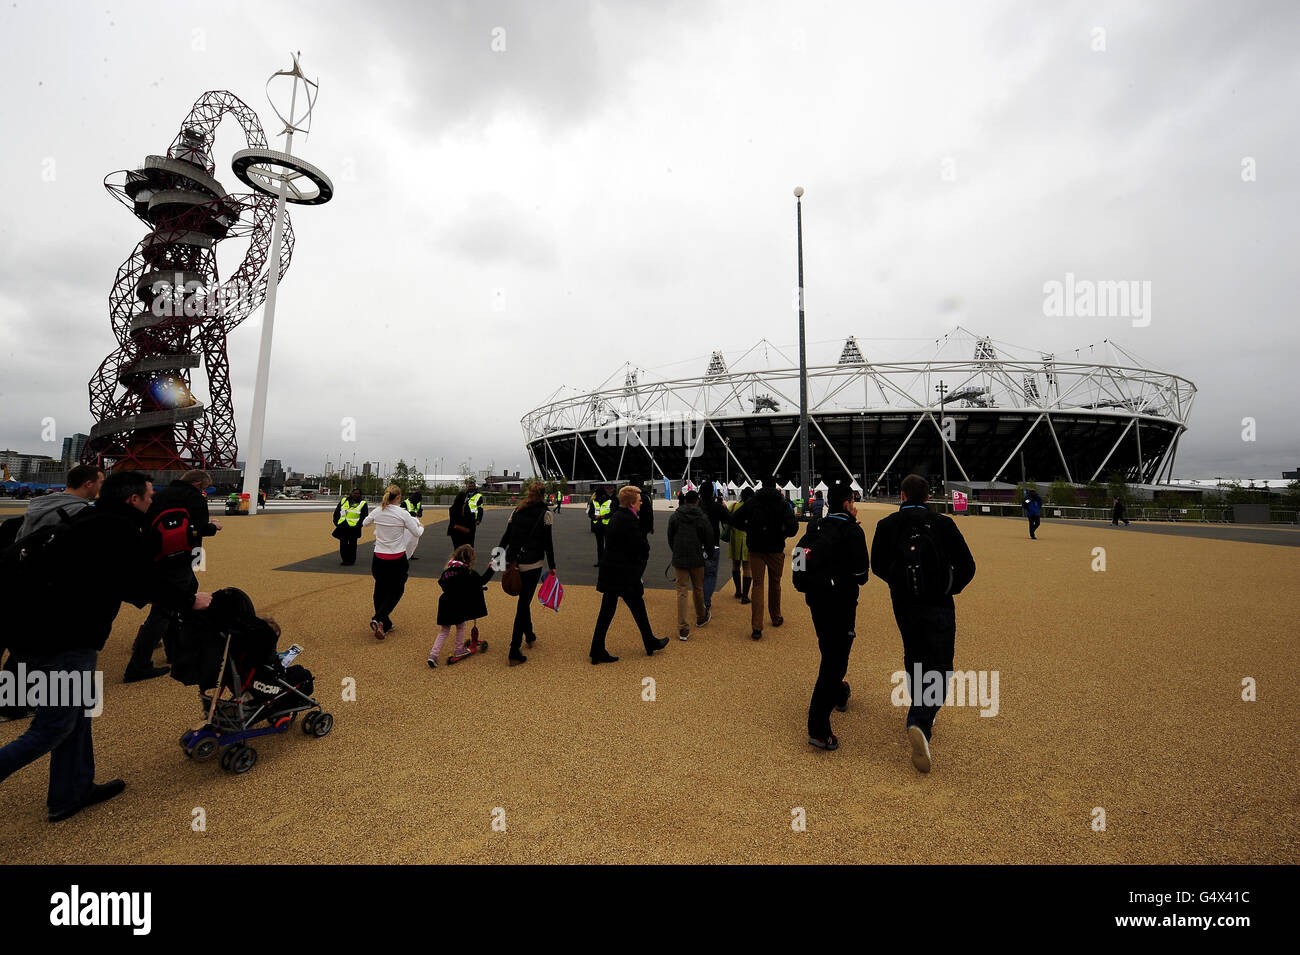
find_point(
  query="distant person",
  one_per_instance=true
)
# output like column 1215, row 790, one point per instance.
column 1033, row 507
column 740, row 577
column 462, row 521
column 600, row 508
column 177, row 522
column 474, row 500
column 102, row 561
column 460, row 602
column 717, row 515
column 261, row 500
column 925, row 561
column 831, row 581
column 768, row 521
column 414, row 504
column 626, row 552
column 1117, row 513
column 645, row 513
column 349, row 512
column 528, row 541
column 691, row 541
column 818, row 507
column 396, row 534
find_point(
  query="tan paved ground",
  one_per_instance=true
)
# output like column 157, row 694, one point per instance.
column 1119, row 690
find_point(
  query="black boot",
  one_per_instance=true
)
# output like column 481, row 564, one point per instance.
column 744, row 594
column 735, row 581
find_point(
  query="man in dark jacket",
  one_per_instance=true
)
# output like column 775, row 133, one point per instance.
column 173, row 564
column 645, row 513
column 691, row 541
column 768, row 522
column 834, row 606
column 1033, row 507
column 921, row 589
column 1117, row 513
column 103, row 561
column 626, row 552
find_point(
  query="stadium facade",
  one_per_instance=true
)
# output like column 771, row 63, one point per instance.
column 1008, row 415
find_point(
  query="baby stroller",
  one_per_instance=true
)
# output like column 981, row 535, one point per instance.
column 246, row 688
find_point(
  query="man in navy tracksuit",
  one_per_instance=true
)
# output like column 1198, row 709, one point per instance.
column 927, row 621
column 1033, row 505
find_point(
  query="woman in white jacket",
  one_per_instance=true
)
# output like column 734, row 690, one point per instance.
column 396, row 534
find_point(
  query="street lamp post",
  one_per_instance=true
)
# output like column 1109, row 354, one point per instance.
column 281, row 175
column 803, row 360
column 943, row 440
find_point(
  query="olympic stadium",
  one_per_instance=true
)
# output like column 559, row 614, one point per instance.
column 1009, row 414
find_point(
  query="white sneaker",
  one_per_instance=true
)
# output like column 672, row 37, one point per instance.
column 920, row 749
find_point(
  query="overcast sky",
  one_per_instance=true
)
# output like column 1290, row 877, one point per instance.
column 615, row 185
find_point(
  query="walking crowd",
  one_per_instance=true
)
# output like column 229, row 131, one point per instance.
column 80, row 554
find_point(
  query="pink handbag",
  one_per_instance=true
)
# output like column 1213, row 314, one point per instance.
column 551, row 592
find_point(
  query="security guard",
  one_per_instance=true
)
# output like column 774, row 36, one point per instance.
column 474, row 500
column 598, row 512
column 415, row 508
column 348, row 515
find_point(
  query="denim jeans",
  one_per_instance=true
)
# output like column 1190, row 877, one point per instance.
column 61, row 731
column 711, row 577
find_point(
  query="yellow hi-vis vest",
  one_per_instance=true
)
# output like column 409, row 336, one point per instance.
column 413, row 508
column 348, row 513
column 601, row 509
column 475, row 501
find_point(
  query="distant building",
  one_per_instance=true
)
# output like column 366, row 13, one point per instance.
column 505, row 481
column 72, row 448
column 1292, row 475
column 32, row 467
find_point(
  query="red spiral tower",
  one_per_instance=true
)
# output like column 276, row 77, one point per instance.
column 170, row 311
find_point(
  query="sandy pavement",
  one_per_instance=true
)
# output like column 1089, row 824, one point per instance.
column 1118, row 689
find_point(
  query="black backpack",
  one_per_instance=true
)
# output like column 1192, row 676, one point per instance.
column 31, row 568
column 812, row 568
column 922, row 567
column 765, row 518
column 9, row 531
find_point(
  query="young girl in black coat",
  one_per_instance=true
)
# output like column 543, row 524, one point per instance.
column 461, row 601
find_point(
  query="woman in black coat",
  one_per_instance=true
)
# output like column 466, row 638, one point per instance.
column 462, row 522
column 527, row 541
column 626, row 552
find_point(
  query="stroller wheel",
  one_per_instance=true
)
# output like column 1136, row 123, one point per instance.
column 243, row 760
column 309, row 723
column 227, row 758
column 204, row 749
column 323, row 724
